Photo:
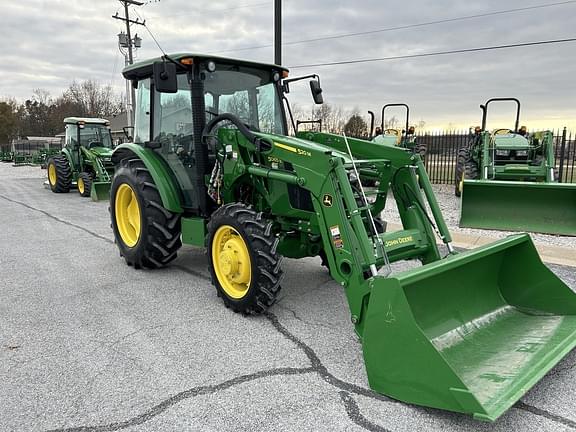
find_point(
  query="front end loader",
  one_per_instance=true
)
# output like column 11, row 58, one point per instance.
column 85, row 159
column 507, row 181
column 212, row 166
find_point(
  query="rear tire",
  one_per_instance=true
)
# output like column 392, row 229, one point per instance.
column 420, row 150
column 84, row 184
column 244, row 263
column 59, row 174
column 466, row 168
column 147, row 234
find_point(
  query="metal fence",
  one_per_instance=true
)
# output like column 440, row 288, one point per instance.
column 442, row 153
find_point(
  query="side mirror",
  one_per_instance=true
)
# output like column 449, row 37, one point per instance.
column 316, row 92
column 165, row 78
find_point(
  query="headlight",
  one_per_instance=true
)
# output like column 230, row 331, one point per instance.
column 521, row 152
column 502, row 152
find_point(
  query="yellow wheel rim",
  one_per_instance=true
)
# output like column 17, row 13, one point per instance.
column 52, row 174
column 80, row 183
column 231, row 261
column 127, row 215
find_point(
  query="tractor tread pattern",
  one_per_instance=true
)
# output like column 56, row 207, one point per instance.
column 160, row 236
column 63, row 174
column 262, row 244
column 87, row 179
column 466, row 168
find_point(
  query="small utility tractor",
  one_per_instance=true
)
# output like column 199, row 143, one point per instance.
column 404, row 138
column 507, row 180
column 212, row 166
column 6, row 154
column 84, row 160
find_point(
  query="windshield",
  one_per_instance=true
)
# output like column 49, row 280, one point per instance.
column 95, row 133
column 246, row 93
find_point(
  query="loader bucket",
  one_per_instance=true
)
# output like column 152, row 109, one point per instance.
column 519, row 206
column 100, row 191
column 471, row 333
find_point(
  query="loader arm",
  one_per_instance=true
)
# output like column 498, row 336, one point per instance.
column 337, row 219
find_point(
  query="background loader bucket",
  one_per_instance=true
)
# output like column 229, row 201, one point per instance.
column 518, row 206
column 471, row 333
column 100, row 191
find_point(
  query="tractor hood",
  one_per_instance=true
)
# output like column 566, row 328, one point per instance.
column 510, row 142
column 102, row 152
column 305, row 144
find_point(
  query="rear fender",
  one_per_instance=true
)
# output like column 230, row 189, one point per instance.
column 159, row 170
column 66, row 152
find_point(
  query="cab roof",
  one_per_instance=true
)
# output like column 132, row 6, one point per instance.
column 143, row 69
column 88, row 120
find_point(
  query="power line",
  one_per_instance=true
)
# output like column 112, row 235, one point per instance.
column 404, row 27
column 218, row 10
column 437, row 53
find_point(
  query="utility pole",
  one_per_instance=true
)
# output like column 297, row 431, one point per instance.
column 278, row 32
column 125, row 40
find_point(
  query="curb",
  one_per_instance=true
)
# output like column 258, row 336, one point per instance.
column 549, row 254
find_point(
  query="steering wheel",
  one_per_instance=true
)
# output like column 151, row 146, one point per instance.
column 392, row 132
column 502, row 132
column 245, row 129
column 93, row 144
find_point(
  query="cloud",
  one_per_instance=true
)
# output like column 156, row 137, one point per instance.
column 48, row 44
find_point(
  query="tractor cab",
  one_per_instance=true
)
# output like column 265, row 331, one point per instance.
column 178, row 96
column 90, row 133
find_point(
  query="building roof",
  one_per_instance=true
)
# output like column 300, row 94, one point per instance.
column 76, row 120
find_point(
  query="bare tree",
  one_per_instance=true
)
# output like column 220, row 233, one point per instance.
column 391, row 123
column 94, row 99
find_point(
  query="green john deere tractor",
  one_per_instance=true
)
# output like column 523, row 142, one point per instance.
column 403, row 138
column 508, row 181
column 6, row 154
column 212, row 166
column 84, row 160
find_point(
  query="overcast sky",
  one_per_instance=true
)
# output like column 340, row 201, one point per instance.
column 47, row 44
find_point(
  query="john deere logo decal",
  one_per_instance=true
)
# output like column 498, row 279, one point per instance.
column 327, row 200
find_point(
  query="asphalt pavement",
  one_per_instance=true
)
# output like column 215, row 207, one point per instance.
column 90, row 344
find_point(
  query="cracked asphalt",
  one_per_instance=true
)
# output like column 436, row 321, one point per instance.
column 89, row 344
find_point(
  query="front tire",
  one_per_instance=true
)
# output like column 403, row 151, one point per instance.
column 244, row 263
column 147, row 234
column 84, row 184
column 59, row 174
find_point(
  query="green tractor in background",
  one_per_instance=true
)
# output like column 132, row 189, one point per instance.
column 6, row 154
column 404, row 138
column 212, row 166
column 507, row 180
column 84, row 160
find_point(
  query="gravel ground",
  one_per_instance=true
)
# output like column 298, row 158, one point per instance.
column 450, row 206
column 89, row 344
column 7, row 171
